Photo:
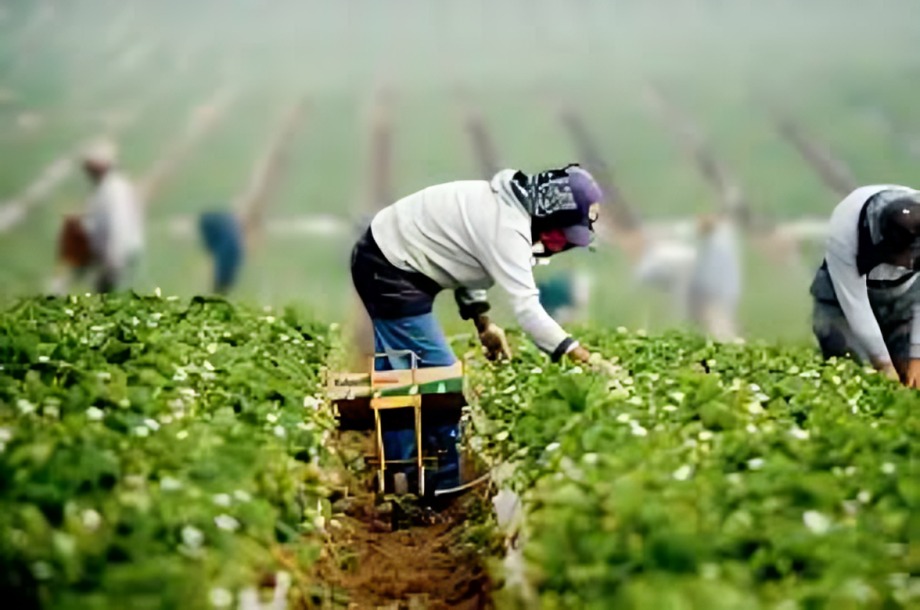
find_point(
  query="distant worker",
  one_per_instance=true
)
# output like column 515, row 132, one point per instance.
column 866, row 292
column 113, row 220
column 565, row 296
column 222, row 234
column 714, row 290
column 666, row 265
column 467, row 236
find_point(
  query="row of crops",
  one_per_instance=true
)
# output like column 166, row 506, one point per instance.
column 157, row 452
column 703, row 476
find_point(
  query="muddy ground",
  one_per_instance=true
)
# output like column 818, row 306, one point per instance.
column 396, row 555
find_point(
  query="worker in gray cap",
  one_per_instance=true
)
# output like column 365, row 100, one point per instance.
column 866, row 293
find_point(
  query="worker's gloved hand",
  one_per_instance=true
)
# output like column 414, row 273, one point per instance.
column 494, row 340
column 888, row 370
column 912, row 377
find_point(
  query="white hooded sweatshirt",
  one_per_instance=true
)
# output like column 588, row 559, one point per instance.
column 114, row 220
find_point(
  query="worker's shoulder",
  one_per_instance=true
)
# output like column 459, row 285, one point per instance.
column 118, row 183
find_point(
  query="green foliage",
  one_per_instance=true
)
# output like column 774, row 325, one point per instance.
column 152, row 450
column 709, row 476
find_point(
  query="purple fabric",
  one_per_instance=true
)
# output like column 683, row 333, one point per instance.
column 586, row 192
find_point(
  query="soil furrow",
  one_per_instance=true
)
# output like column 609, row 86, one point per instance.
column 835, row 174
column 625, row 218
column 372, row 560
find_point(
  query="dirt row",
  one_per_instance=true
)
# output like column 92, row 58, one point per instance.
column 766, row 235
column 625, row 220
column 835, row 174
column 202, row 120
column 382, row 553
column 691, row 139
column 263, row 184
column 116, row 121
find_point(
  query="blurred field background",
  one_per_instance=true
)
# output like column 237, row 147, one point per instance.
column 388, row 89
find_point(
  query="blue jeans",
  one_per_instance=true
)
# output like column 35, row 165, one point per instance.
column 423, row 335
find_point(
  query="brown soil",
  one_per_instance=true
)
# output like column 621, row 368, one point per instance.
column 268, row 172
column 423, row 564
column 833, row 172
column 625, row 218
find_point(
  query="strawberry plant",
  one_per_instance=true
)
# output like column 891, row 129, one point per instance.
column 708, row 476
column 156, row 453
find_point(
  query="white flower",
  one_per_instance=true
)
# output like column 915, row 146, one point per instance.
column 182, row 435
column 754, row 408
column 800, row 434
column 864, row 497
column 135, row 480
column 549, row 448
column 42, row 570
column 211, row 348
column 222, row 500
column 816, row 522
column 192, row 537
column 166, row 419
column 755, row 463
column 311, row 402
column 678, row 396
column 503, row 436
column 683, row 473
column 622, row 330
column 142, row 431
column 188, row 392
column 279, row 431
column 43, row 358
column 168, row 483
column 705, row 435
column 669, row 408
column 152, row 424
column 25, row 407
column 6, row 435
column 209, row 366
column 269, row 319
column 226, row 522
column 638, row 430
column 836, row 380
column 272, row 418
column 590, row 458
column 536, row 371
column 68, row 311
column 180, row 375
column 751, row 428
column 91, row 519
column 624, row 418
column 888, row 468
column 242, row 496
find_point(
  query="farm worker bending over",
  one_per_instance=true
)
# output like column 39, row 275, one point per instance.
column 113, row 219
column 223, row 238
column 867, row 297
column 467, row 236
column 715, row 284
